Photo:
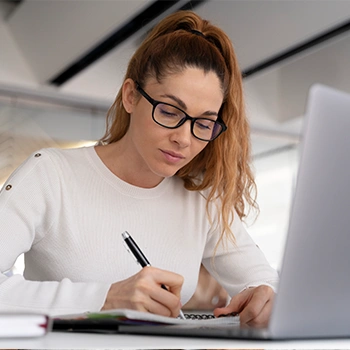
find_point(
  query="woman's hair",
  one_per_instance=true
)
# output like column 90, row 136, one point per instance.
column 184, row 40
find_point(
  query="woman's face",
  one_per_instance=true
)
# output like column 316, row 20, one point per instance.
column 155, row 151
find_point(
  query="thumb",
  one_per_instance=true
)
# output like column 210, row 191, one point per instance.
column 235, row 306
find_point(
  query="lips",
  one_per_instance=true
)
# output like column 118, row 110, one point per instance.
column 174, row 154
column 172, row 157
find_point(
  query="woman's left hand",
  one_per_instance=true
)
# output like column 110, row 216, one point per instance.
column 253, row 305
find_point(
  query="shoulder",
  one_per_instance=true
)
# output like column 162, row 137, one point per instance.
column 34, row 179
column 63, row 160
column 62, row 155
column 43, row 166
column 34, row 163
column 49, row 155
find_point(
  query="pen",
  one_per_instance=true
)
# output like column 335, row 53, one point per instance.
column 136, row 252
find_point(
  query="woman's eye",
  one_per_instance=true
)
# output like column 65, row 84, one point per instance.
column 204, row 125
column 168, row 111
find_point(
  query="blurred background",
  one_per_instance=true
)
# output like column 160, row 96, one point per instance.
column 63, row 61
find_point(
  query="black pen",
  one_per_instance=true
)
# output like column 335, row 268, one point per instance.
column 136, row 252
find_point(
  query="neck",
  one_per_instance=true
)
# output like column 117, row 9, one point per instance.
column 121, row 163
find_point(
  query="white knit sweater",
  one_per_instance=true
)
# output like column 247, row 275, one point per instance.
column 67, row 211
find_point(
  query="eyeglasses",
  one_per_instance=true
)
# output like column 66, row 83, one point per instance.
column 172, row 117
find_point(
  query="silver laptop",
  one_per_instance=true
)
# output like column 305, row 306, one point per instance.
column 313, row 295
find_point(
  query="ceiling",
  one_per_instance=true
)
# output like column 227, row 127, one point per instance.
column 43, row 39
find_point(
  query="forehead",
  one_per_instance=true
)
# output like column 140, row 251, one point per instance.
column 181, row 73
column 192, row 85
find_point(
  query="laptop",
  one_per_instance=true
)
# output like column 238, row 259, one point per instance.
column 314, row 290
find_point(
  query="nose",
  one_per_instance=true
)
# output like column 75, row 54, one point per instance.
column 182, row 135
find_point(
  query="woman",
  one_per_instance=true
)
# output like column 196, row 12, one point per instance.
column 172, row 170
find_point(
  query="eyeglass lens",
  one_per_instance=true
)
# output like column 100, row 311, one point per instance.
column 170, row 116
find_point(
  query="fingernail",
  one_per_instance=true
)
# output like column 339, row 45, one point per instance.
column 230, row 314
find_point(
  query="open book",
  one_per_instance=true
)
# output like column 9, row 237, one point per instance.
column 111, row 319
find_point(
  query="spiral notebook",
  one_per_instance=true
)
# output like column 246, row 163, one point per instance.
column 110, row 320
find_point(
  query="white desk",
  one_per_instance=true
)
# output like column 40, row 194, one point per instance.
column 104, row 341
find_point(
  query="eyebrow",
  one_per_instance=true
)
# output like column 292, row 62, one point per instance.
column 182, row 104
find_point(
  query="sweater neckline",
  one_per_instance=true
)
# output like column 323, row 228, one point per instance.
column 120, row 185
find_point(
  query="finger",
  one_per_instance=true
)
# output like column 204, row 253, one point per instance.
column 166, row 299
column 169, row 296
column 149, row 297
column 253, row 308
column 171, row 280
column 155, row 307
column 262, row 320
column 235, row 306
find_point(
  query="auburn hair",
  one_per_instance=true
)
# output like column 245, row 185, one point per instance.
column 183, row 40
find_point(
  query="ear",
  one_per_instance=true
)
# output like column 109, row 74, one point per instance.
column 128, row 95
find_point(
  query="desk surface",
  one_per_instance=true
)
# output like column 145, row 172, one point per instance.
column 58, row 340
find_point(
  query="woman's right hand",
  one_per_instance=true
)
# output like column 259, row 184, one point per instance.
column 143, row 292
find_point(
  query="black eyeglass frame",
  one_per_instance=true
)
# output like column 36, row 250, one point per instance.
column 154, row 103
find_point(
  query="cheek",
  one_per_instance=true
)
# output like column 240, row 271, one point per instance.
column 140, row 124
column 145, row 132
column 198, row 148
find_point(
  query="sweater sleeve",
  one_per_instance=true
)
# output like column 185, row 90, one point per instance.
column 27, row 212
column 238, row 265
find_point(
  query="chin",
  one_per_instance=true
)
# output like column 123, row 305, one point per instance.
column 166, row 175
column 166, row 172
